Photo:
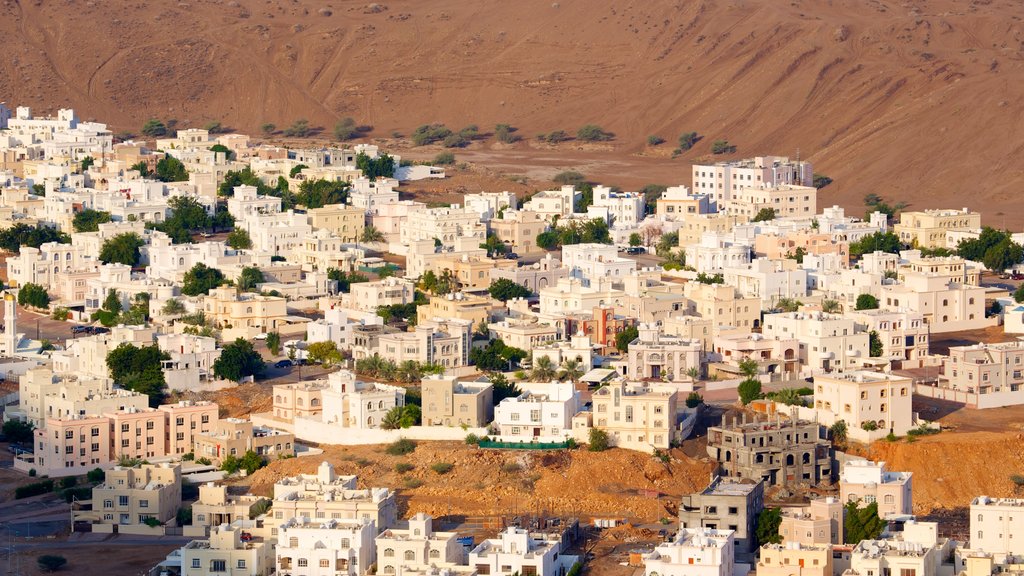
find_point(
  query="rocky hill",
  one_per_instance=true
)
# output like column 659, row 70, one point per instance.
column 916, row 100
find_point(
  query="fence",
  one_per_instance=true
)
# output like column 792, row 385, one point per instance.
column 523, row 445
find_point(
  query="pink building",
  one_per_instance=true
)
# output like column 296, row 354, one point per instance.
column 773, row 355
column 138, row 433
column 773, row 246
column 185, row 420
column 389, row 218
column 69, row 447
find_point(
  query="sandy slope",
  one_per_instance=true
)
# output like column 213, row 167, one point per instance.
column 917, row 100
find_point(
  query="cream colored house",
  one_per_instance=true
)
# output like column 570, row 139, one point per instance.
column 130, row 496
column 723, row 305
column 869, row 482
column 235, row 437
column 416, row 547
column 984, row 375
column 693, row 552
column 946, row 306
column 225, row 552
column 327, row 496
column 302, row 399
column 996, row 526
column 325, row 547
column 723, row 180
column 873, row 404
column 185, row 420
column 448, row 402
column 459, row 306
column 927, row 228
column 795, row 560
column 827, row 341
column 345, row 222
column 656, row 356
column 245, row 314
column 636, row 416
column 787, row 200
column 217, row 506
column 820, row 523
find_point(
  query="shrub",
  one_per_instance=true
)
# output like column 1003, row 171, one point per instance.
column 403, row 467
column 554, row 137
column 866, row 302
column 442, row 467
column 504, row 134
column 722, row 147
column 472, row 439
column 96, row 475
column 32, row 472
column 569, row 177
column 151, row 522
column 1017, row 479
column 655, row 140
column 598, row 441
column 511, row 468
column 687, row 140
column 79, row 493
column 869, row 426
column 413, row 483
column 444, row 159
column 34, row 489
column 455, row 140
column 593, row 133
column 891, row 437
column 430, row 133
column 51, row 562
column 61, row 313
column 694, row 400
column 299, row 129
column 68, row 482
column 204, row 461
column 401, row 447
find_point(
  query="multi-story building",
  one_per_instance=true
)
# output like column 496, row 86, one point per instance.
column 345, row 222
column 138, row 433
column 676, row 201
column 724, row 179
column 368, row 296
column 352, row 403
column 928, row 228
column 325, row 547
column 716, row 251
column 773, row 355
column 953, row 268
column 489, row 205
column 787, row 559
column 793, row 244
column 373, row 196
column 588, row 262
column 578, row 350
column 946, row 306
column 994, row 524
column 445, row 343
column 472, row 271
column 444, row 225
column 984, row 375
column 417, row 546
column 541, row 274
column 726, row 504
column 818, row 523
column 524, row 333
column 904, row 335
column 542, row 412
column 657, row 356
column 693, row 552
column 774, row 451
column 769, row 280
column 458, row 306
column 248, row 314
column 601, row 326
column 69, row 446
column 247, row 202
column 235, row 437
column 636, row 416
column 217, row 506
column 300, row 399
column 131, row 495
column 723, row 305
column 448, row 402
column 869, row 482
column 191, row 361
column 916, row 550
column 827, row 341
column 873, row 404
column 325, row 495
column 787, row 201
column 230, row 549
column 517, row 551
column 321, row 250
column 548, row 203
column 693, row 226
column 519, row 229
column 618, row 209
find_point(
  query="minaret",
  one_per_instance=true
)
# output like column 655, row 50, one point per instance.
column 10, row 333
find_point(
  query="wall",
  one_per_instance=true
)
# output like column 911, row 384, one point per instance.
column 980, row 401
column 316, row 431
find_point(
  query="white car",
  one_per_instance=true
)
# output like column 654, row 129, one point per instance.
column 261, row 336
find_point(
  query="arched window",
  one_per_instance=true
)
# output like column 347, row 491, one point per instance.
column 410, row 555
column 380, row 405
column 388, row 570
column 314, row 402
column 293, row 542
column 299, row 402
column 435, row 553
column 389, row 552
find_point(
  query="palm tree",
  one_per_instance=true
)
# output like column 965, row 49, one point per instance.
column 748, row 367
column 393, row 419
column 788, row 304
column 408, row 371
column 830, row 306
column 543, row 369
column 694, row 373
column 372, row 234
column 572, row 370
column 387, row 371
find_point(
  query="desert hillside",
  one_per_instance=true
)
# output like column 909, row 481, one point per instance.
column 918, row 100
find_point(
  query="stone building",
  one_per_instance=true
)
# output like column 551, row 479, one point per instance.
column 776, row 451
column 726, row 504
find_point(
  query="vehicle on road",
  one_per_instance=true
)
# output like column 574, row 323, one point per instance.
column 261, row 336
column 81, row 329
column 283, row 364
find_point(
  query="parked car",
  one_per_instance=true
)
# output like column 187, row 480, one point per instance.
column 81, row 329
column 282, row 364
column 261, row 336
column 634, row 250
column 99, row 330
column 511, row 256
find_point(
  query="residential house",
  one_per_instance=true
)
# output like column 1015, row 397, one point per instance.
column 636, row 416
column 726, row 504
column 448, row 402
column 694, row 552
column 867, row 482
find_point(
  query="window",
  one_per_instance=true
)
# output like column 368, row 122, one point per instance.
column 108, row 503
column 122, row 500
column 389, row 552
column 410, row 555
column 325, row 563
column 303, row 563
column 143, row 503
column 218, row 566
column 195, row 563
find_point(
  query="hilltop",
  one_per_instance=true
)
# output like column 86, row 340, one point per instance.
column 917, row 100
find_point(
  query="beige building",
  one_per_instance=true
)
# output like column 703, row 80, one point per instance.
column 519, row 229
column 985, row 375
column 471, row 272
column 946, row 306
column 325, row 495
column 416, row 547
column 185, row 420
column 346, row 222
column 927, row 228
column 235, row 437
column 904, row 335
column 217, row 506
column 872, row 404
column 656, row 356
column 827, row 341
column 723, row 305
column 524, row 334
column 677, row 201
column 953, row 268
column 787, row 200
column 322, row 547
column 819, row 523
column 445, row 343
column 130, row 496
column 226, row 552
column 636, row 416
column 368, row 296
column 68, row 446
column 248, row 314
column 138, row 433
column 447, row 402
column 461, row 306
column 694, row 226
column 795, row 560
column 303, row 399
column 869, row 482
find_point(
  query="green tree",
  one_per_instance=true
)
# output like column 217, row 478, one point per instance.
column 382, row 166
column 371, row 234
column 654, row 140
column 866, row 302
column 544, row 369
column 444, row 159
column 687, row 140
column 170, row 169
column 249, row 278
column 694, row 399
column 768, row 522
column 200, row 280
column 505, row 134
column 325, row 353
column 14, row 238
column 238, row 360
column 89, row 220
column 142, row 168
column 874, row 344
column 622, row 339
column 749, row 390
column 33, row 295
column 239, row 239
column 838, row 431
column 820, row 181
column 504, row 289
column 722, row 147
column 86, row 163
column 493, row 245
column 862, row 523
column 502, row 388
column 572, row 370
column 569, row 178
column 430, row 133
column 274, row 343
column 788, row 304
column 51, row 562
column 748, row 367
column 319, row 193
column 879, row 241
column 346, row 129
column 830, row 306
column 296, row 170
column 764, row 215
column 598, row 440
column 635, row 239
column 138, row 368
column 593, row 133
column 123, row 249
column 173, row 307
column 717, row 278
column 19, row 431
column 1003, row 255
column 1018, row 294
column 268, row 129
column 154, row 128
column 299, row 129
column 251, row 462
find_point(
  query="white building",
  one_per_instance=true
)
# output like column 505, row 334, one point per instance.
column 417, row 547
column 869, row 482
column 694, row 552
column 370, row 195
column 827, row 341
column 724, row 179
column 618, row 209
column 873, row 404
column 354, row 404
column 561, row 202
column 588, row 262
column 516, row 551
column 716, row 251
column 769, row 280
column 543, row 412
column 325, row 547
column 997, row 525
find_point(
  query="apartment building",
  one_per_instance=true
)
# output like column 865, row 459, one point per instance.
column 68, row 446
column 828, row 342
column 368, row 296
column 577, row 349
column 247, row 314
column 458, row 306
column 946, row 306
column 448, row 402
column 524, row 333
column 138, row 433
column 795, row 558
column 373, row 196
column 235, row 437
column 217, row 506
column 548, row 203
column 953, row 268
column 184, row 420
column 230, row 548
column 416, row 546
column 994, row 523
column 445, row 343
column 636, row 416
column 693, row 226
column 519, row 229
column 301, row 399
column 44, row 264
column 820, row 523
column 131, row 495
column 775, row 451
column 677, row 200
column 351, row 403
column 773, row 355
column 715, row 251
column 790, row 244
column 321, row 250
column 191, row 361
column 693, row 552
column 726, row 504
column 541, row 413
column 472, row 271
column 517, row 551
column 723, row 180
column 326, row 496
column 769, row 280
column 787, row 200
column 873, row 404
column 916, row 550
column 618, row 209
column 928, row 228
column 444, row 225
column 325, row 547
column 345, row 222
column 588, row 262
column 44, row 395
column 984, row 375
column 869, row 482
column 656, row 356
column 723, row 305
column 601, row 326
column 489, row 205
column 904, row 335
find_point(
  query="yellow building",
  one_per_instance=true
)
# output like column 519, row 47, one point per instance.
column 636, row 416
column 795, row 560
column 472, row 272
column 131, row 496
column 248, row 314
column 927, row 228
column 459, row 306
column 346, row 222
